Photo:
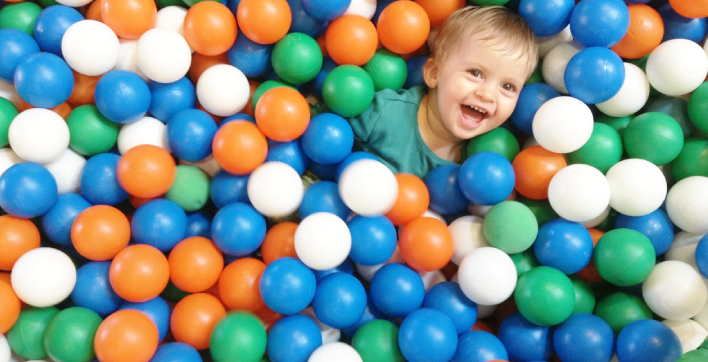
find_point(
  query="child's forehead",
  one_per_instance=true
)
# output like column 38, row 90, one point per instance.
column 474, row 46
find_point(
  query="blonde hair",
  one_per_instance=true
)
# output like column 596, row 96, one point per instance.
column 497, row 24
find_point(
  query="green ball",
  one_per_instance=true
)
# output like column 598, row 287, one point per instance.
column 698, row 107
column 377, row 341
column 191, row 188
column 165, row 3
column 266, row 86
column 387, row 70
column 624, row 257
column 47, row 3
column 348, row 90
column 91, row 132
column 602, row 151
column 498, row 140
column 584, row 297
column 621, row 309
column 692, row 161
column 697, row 355
column 26, row 337
column 545, row 296
column 69, row 336
column 488, row 2
column 20, row 16
column 191, row 3
column 541, row 209
column 655, row 137
column 510, row 226
column 173, row 294
column 675, row 107
column 619, row 124
column 297, row 58
column 238, row 337
column 609, row 222
column 537, row 74
column 7, row 114
column 524, row 261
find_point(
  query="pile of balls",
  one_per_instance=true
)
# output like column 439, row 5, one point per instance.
column 171, row 193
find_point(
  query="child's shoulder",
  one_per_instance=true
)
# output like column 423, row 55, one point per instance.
column 412, row 95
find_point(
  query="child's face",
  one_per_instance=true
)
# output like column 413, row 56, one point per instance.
column 476, row 88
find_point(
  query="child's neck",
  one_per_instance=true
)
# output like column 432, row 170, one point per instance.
column 436, row 137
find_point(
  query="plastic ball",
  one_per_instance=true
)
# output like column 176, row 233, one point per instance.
column 176, row 351
column 275, row 189
column 328, row 139
column 297, row 58
column 534, row 168
column 18, row 237
column 239, row 282
column 510, row 240
column 160, row 223
column 239, row 138
column 326, row 10
column 621, row 309
column 93, row 289
column 351, row 39
column 335, row 350
column 691, row 333
column 678, row 26
column 377, row 340
column 57, row 222
column 163, row 55
column 415, row 71
column 190, row 134
column 403, row 27
column 253, row 59
column 648, row 340
column 69, row 336
column 702, row 257
column 169, row 99
column 27, row 190
column 129, row 19
column 584, row 337
column 564, row 245
column 194, row 317
column 546, row 18
column 16, row 45
column 340, row 300
column 239, row 336
column 126, row 335
column 100, row 232
column 264, row 22
column 323, row 196
column 631, row 97
column 43, row 80
column 674, row 290
column 43, row 277
column 427, row 335
column 690, row 9
column 448, row 298
column 287, row 286
column 696, row 107
column 238, row 229
column 446, row 196
column 685, row 204
column 663, row 62
column 644, row 128
column 579, row 193
column 139, row 273
column 10, row 311
column 524, row 340
column 484, row 290
column 645, row 32
column 478, row 346
column 127, row 59
column 600, row 23
column 637, row 187
column 146, row 131
column 90, row 47
column 26, row 338
column 210, row 28
column 146, row 171
column 99, row 183
column 91, row 132
column 467, row 236
column 368, row 187
column 303, row 22
column 545, row 296
column 594, row 75
column 498, row 140
column 373, row 239
column 122, row 96
column 656, row 226
column 555, row 63
column 555, row 132
column 67, row 171
column 290, row 153
column 397, row 290
column 223, row 90
column 412, row 202
column 226, row 188
column 293, row 339
column 426, row 244
column 620, row 248
column 20, row 16
column 282, row 114
column 348, row 90
column 38, row 135
column 486, row 178
column 322, row 241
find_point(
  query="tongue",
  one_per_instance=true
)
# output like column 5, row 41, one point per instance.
column 471, row 114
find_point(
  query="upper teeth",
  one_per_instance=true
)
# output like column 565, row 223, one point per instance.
column 478, row 109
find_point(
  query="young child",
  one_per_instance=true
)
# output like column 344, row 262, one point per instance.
column 481, row 57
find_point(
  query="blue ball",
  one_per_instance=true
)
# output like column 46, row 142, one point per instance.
column 427, row 335
column 226, row 188
column 648, row 340
column 160, row 223
column 354, row 156
column 287, row 286
column 584, row 338
column 373, row 239
column 176, row 352
column 323, row 196
column 44, row 80
column 531, row 98
column 487, row 178
column 564, row 245
column 99, row 180
column 290, row 153
column 397, row 290
column 443, row 184
column 546, row 17
column 656, row 226
column 304, row 22
column 340, row 300
column 190, row 133
column 157, row 310
column 370, row 313
column 238, row 117
column 93, row 288
column 323, row 172
column 328, row 139
column 27, row 190
column 479, row 346
column 594, row 75
column 57, row 222
column 327, row 65
column 326, row 9
column 166, row 99
column 346, row 267
column 599, row 23
column 233, row 6
column 380, row 6
column 415, row 71
column 293, row 339
column 51, row 24
column 198, row 224
column 122, row 96
column 525, row 341
column 238, row 229
column 447, row 297
column 679, row 27
column 252, row 58
column 702, row 256
column 15, row 46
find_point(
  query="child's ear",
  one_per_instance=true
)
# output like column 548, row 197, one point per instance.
column 430, row 73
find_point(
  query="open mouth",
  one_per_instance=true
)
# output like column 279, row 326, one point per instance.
column 473, row 116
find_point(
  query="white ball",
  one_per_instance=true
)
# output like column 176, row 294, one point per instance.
column 5, row 352
column 487, row 276
column 683, row 248
column 702, row 317
column 428, row 213
column 598, row 220
column 67, row 171
column 8, row 158
column 74, row 3
column 223, row 90
column 431, row 279
column 208, row 165
column 479, row 210
column 43, row 277
column 563, row 124
column 631, row 97
column 690, row 333
column 368, row 187
column 365, row 8
column 484, row 311
column 579, row 193
column 90, row 47
column 674, row 290
column 687, row 204
column 328, row 333
column 335, row 351
column 467, row 236
column 8, row 91
column 275, row 189
column 637, row 187
column 127, row 59
column 556, row 61
column 163, row 55
column 322, row 241
column 546, row 43
column 677, row 67
column 39, row 135
column 367, row 271
column 171, row 18
column 146, row 131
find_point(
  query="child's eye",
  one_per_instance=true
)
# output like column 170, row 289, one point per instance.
column 475, row 73
column 508, row 87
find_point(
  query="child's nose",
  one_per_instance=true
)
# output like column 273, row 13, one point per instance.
column 484, row 93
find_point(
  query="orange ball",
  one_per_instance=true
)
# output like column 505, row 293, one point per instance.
column 403, row 27
column 195, row 264
column 94, row 11
column 201, row 62
column 129, row 19
column 239, row 147
column 481, row 326
column 126, row 336
column 17, row 236
column 210, row 28
column 239, row 283
column 264, row 21
column 590, row 273
column 139, row 273
column 267, row 316
column 84, row 88
column 534, row 168
column 646, row 30
column 252, row 85
column 194, row 318
column 351, row 39
column 691, row 8
column 412, row 201
column 439, row 10
column 282, row 114
column 426, row 244
column 9, row 307
column 146, row 171
column 279, row 242
column 100, row 232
